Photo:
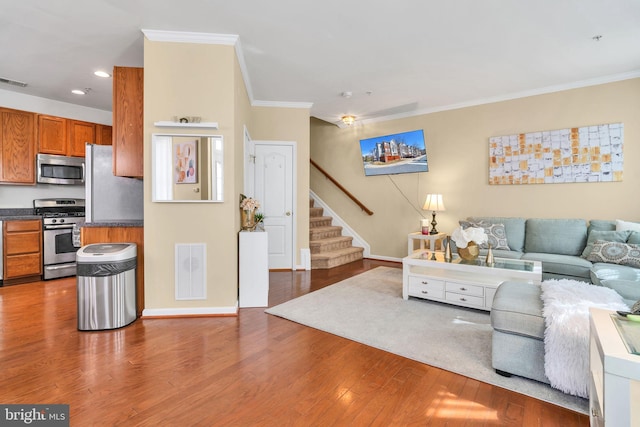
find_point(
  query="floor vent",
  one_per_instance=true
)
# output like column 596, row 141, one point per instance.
column 191, row 271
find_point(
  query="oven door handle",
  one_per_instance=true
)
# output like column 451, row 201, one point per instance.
column 58, row 227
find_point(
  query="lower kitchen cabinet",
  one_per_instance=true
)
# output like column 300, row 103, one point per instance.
column 22, row 248
column 116, row 234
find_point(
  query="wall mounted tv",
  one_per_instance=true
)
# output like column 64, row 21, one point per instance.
column 393, row 154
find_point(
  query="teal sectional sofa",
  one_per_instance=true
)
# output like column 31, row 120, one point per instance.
column 565, row 247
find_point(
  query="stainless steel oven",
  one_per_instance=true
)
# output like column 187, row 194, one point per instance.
column 59, row 249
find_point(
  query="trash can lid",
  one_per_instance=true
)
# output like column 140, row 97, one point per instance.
column 105, row 252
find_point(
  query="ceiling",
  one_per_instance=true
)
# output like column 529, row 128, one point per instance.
column 396, row 58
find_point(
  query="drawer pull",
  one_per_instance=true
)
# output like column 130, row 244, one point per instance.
column 424, row 282
column 463, row 299
column 463, row 289
column 425, row 292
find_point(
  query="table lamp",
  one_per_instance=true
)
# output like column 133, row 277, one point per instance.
column 434, row 204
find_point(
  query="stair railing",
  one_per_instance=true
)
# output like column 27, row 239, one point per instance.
column 344, row 190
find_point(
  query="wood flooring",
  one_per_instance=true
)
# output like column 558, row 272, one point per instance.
column 250, row 370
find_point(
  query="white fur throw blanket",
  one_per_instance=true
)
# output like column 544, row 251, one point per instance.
column 566, row 337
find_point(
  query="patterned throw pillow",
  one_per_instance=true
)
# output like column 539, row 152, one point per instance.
column 609, row 236
column 496, row 234
column 615, row 253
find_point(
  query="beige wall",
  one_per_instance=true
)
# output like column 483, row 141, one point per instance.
column 289, row 124
column 183, row 79
column 457, row 149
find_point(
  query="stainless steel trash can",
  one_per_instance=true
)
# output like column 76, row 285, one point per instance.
column 106, row 278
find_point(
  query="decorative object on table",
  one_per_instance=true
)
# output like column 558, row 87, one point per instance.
column 259, row 220
column 248, row 206
column 490, row 260
column 467, row 241
column 424, row 226
column 448, row 256
column 434, row 204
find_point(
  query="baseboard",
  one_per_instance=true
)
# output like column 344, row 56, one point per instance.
column 190, row 312
column 384, row 258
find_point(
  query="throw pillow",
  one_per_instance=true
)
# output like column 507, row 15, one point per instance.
column 626, row 225
column 615, row 253
column 496, row 234
column 634, row 237
column 609, row 236
column 636, row 307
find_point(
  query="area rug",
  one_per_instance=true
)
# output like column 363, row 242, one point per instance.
column 368, row 308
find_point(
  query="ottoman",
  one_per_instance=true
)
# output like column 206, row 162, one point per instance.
column 518, row 331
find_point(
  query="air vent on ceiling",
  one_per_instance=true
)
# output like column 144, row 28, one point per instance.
column 12, row 82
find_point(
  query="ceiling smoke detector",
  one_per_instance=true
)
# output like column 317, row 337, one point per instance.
column 12, row 82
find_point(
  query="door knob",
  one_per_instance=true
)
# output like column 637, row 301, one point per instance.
column 288, row 213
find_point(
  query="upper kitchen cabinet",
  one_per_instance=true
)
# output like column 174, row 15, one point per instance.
column 80, row 133
column 104, row 134
column 128, row 91
column 65, row 137
column 52, row 135
column 18, row 146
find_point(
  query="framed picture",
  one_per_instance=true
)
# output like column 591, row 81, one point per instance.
column 404, row 152
column 185, row 162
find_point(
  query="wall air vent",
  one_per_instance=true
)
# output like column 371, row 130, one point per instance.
column 12, row 82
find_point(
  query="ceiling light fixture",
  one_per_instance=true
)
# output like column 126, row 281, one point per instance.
column 101, row 73
column 348, row 120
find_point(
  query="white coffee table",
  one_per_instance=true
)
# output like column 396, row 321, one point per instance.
column 466, row 283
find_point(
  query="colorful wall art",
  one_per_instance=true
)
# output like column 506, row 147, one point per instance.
column 185, row 162
column 584, row 154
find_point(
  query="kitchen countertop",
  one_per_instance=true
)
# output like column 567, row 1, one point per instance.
column 17, row 214
column 138, row 223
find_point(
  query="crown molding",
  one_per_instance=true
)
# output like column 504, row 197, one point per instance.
column 190, row 37
column 508, row 97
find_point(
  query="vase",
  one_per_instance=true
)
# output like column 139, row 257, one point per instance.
column 247, row 218
column 490, row 260
column 470, row 252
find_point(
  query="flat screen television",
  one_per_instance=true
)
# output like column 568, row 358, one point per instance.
column 394, row 154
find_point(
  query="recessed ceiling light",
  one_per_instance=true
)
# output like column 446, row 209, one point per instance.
column 79, row 92
column 100, row 73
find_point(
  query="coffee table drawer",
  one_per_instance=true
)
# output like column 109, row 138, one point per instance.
column 463, row 288
column 461, row 299
column 426, row 287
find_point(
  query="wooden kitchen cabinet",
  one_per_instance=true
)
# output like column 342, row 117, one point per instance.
column 64, row 137
column 103, row 134
column 90, row 235
column 80, row 133
column 128, row 91
column 52, row 135
column 22, row 248
column 18, row 146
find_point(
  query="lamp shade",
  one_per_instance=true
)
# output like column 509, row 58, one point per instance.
column 433, row 203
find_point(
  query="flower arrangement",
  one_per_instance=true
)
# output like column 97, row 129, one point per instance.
column 463, row 237
column 248, row 203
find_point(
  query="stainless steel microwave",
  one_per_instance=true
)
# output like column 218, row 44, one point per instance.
column 53, row 169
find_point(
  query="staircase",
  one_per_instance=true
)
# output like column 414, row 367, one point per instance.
column 329, row 248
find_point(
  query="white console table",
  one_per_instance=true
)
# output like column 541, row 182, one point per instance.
column 253, row 269
column 614, row 391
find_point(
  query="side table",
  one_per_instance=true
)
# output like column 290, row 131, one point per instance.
column 422, row 238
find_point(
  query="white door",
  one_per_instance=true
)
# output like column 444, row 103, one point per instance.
column 273, row 186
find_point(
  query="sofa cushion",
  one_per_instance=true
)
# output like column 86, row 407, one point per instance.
column 556, row 236
column 517, row 309
column 496, row 234
column 629, row 290
column 609, row 236
column 602, row 271
column 566, row 265
column 514, row 227
column 634, row 237
column 601, row 225
column 615, row 253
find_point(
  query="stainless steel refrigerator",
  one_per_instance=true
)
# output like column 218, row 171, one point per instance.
column 110, row 198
